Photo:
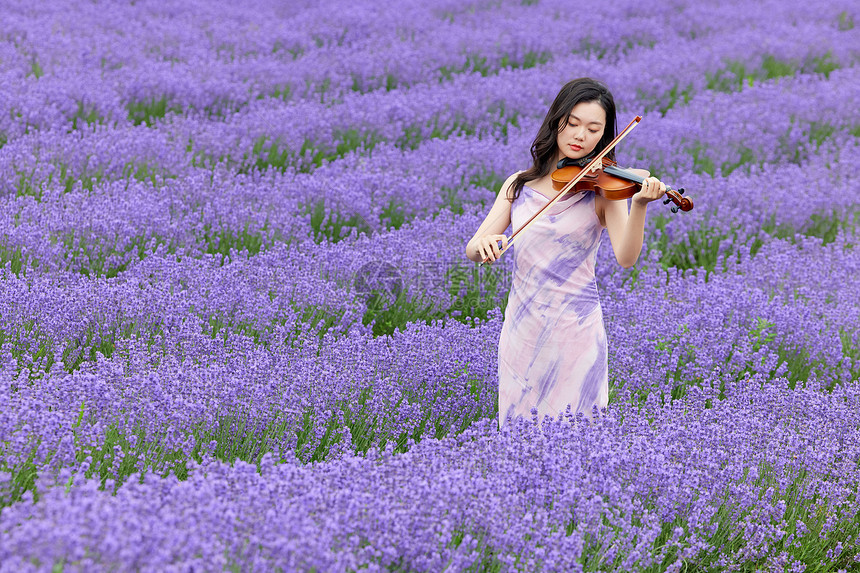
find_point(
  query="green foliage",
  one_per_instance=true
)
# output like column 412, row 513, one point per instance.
column 389, row 316
column 809, row 548
column 476, row 63
column 488, row 180
column 475, row 291
column 850, row 352
column 506, row 119
column 146, row 173
column 223, row 241
column 698, row 249
column 674, row 95
column 735, row 75
column 151, row 110
column 314, row 319
column 845, row 22
column 103, row 257
column 588, row 47
column 393, row 215
column 773, row 68
column 747, row 157
column 88, row 179
column 273, row 153
column 101, row 339
column 236, row 437
column 388, row 82
column 36, row 69
column 282, row 92
column 819, row 131
column 723, row 534
column 825, row 226
column 265, row 156
column 824, row 64
column 668, row 344
column 20, row 261
column 329, row 224
column 701, row 162
column 351, row 140
column 728, row 79
column 85, row 115
column 485, row 179
column 322, row 88
column 452, row 200
column 762, row 334
column 374, row 432
column 36, row 353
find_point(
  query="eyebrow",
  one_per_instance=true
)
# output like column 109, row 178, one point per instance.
column 589, row 123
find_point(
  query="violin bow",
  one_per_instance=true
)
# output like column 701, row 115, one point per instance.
column 572, row 183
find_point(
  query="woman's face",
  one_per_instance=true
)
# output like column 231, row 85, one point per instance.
column 583, row 130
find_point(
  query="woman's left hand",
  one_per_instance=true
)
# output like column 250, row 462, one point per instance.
column 652, row 189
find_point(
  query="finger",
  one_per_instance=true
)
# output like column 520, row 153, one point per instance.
column 504, row 241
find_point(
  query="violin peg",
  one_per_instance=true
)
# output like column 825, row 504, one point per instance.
column 667, row 201
column 681, row 191
column 674, row 208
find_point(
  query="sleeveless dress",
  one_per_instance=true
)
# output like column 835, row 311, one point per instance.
column 552, row 347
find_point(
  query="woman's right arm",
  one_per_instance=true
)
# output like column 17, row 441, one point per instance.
column 484, row 244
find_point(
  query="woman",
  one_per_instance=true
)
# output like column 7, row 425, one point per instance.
column 552, row 349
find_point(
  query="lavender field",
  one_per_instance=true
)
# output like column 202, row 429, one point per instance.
column 239, row 331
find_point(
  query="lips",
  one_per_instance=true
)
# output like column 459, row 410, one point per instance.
column 575, row 147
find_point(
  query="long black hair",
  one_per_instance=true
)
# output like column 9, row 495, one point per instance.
column 544, row 150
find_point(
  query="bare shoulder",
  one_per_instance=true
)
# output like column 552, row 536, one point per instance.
column 506, row 186
column 511, row 178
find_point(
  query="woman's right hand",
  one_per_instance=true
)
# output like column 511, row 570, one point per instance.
column 488, row 247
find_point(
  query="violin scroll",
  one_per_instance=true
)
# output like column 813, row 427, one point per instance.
column 680, row 203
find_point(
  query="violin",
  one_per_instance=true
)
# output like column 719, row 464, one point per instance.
column 573, row 173
column 611, row 182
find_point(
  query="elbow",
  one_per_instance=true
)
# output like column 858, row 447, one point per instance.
column 470, row 254
column 627, row 263
column 627, row 257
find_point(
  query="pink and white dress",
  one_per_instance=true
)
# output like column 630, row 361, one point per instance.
column 552, row 348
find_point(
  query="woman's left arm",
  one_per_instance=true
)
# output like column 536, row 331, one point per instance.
column 627, row 230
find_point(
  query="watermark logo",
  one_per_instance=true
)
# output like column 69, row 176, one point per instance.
column 380, row 278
